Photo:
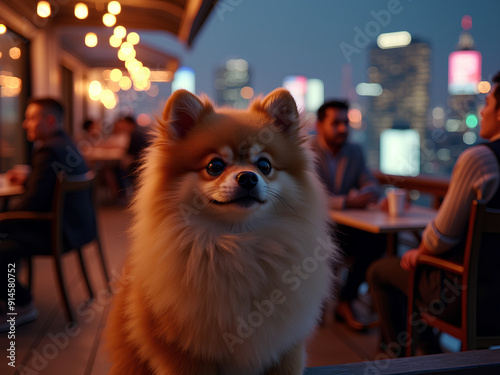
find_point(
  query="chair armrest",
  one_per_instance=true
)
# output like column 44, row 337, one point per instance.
column 441, row 263
column 25, row 215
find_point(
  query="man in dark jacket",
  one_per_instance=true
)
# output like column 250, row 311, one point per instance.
column 53, row 152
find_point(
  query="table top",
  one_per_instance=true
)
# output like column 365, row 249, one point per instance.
column 105, row 154
column 8, row 190
column 375, row 220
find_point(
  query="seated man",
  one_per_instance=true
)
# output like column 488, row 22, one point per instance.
column 342, row 168
column 53, row 152
column 476, row 175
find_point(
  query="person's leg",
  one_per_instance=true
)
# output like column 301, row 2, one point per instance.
column 388, row 285
column 364, row 248
column 17, row 241
column 361, row 249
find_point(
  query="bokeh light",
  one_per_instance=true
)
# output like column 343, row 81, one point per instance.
column 247, row 92
column 91, row 40
column 43, row 9
column 81, row 11
column 133, row 38
column 466, row 22
column 115, row 75
column 3, row 28
column 114, row 7
column 120, row 32
column 125, row 83
column 114, row 41
column 108, row 20
column 15, row 53
column 95, row 90
column 483, row 87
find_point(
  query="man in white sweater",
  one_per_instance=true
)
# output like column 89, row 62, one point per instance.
column 476, row 175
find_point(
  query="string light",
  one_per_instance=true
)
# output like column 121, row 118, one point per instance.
column 3, row 28
column 133, row 38
column 95, row 90
column 114, row 7
column 43, row 9
column 91, row 40
column 120, row 32
column 15, row 53
column 81, row 11
column 109, row 20
column 114, row 41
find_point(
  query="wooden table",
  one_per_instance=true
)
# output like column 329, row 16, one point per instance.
column 375, row 220
column 8, row 190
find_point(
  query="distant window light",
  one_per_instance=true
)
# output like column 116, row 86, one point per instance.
column 400, row 152
column 394, row 40
column 369, row 89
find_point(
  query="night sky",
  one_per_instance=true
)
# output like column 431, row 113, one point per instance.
column 290, row 37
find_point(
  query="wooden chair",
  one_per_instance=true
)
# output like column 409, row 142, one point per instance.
column 483, row 220
column 65, row 184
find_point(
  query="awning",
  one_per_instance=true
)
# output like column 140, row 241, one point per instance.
column 181, row 18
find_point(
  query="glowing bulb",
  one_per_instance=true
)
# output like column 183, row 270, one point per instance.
column 133, row 38
column 81, row 11
column 114, row 7
column 95, row 90
column 115, row 75
column 3, row 28
column 114, row 41
column 125, row 83
column 109, row 20
column 484, row 87
column 91, row 40
column 14, row 53
column 43, row 9
column 108, row 99
column 246, row 92
column 120, row 32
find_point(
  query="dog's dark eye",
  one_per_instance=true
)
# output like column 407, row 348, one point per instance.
column 264, row 165
column 216, row 167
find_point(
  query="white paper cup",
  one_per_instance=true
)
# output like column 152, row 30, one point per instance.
column 396, row 201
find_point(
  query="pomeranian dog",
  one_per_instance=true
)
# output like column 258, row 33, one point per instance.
column 231, row 250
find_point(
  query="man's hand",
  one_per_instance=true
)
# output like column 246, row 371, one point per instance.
column 409, row 259
column 356, row 199
column 17, row 175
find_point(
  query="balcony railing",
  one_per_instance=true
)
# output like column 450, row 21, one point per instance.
column 434, row 186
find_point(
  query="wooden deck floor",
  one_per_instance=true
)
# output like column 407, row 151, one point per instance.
column 49, row 346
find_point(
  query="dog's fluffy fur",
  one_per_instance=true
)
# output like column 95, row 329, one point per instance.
column 231, row 253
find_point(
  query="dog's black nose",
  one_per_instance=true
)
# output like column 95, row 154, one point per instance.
column 247, row 180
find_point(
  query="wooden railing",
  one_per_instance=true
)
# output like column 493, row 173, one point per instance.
column 462, row 363
column 434, row 186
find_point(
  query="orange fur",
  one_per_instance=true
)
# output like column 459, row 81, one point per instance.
column 214, row 285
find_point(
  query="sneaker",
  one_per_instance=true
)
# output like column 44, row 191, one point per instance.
column 21, row 315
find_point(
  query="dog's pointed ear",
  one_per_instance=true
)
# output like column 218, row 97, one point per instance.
column 281, row 107
column 182, row 111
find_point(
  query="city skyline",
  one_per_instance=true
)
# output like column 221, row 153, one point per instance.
column 319, row 39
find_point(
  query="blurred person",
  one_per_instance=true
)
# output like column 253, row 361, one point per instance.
column 342, row 168
column 138, row 141
column 476, row 175
column 53, row 152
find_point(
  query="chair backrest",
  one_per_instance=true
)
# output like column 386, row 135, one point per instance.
column 67, row 184
column 481, row 251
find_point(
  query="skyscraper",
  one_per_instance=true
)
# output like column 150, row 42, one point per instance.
column 402, row 69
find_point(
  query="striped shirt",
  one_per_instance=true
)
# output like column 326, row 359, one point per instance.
column 476, row 175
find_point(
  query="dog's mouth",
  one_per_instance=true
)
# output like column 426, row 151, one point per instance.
column 245, row 201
